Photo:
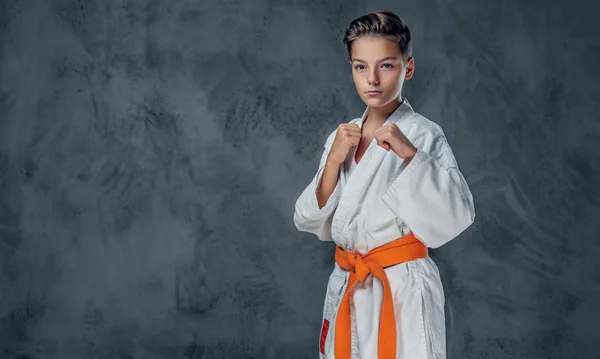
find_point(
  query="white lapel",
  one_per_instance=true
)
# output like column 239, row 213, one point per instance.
column 350, row 158
column 361, row 176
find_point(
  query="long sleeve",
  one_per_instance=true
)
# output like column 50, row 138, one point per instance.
column 431, row 195
column 308, row 217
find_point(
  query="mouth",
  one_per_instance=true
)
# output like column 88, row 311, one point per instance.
column 373, row 93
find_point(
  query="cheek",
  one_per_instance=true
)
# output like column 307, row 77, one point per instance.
column 359, row 80
column 393, row 81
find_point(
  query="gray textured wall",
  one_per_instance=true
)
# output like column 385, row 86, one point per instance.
column 151, row 153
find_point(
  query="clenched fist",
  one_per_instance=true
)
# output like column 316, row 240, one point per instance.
column 348, row 135
column 391, row 138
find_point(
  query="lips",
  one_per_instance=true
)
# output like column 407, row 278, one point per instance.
column 373, row 92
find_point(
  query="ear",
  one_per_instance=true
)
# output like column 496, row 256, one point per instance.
column 410, row 69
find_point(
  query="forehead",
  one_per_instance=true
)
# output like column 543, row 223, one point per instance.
column 372, row 48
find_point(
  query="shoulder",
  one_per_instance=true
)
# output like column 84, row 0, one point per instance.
column 420, row 127
column 356, row 120
column 427, row 136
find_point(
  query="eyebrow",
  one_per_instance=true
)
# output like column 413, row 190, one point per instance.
column 387, row 58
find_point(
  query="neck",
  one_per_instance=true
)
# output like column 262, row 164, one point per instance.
column 379, row 115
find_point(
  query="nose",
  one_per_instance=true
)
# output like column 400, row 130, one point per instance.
column 373, row 78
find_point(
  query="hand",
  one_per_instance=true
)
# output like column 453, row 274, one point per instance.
column 391, row 138
column 348, row 135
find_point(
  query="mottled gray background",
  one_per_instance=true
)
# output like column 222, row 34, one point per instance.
column 151, row 153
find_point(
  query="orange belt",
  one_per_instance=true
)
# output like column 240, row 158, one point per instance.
column 401, row 250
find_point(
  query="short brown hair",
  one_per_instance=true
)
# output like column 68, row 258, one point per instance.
column 384, row 24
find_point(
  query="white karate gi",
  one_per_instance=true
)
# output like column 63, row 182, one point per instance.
column 375, row 202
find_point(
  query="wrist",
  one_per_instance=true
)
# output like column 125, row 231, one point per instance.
column 412, row 155
column 332, row 163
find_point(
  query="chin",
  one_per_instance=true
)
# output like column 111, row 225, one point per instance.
column 376, row 102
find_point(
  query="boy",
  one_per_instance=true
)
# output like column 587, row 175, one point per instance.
column 388, row 188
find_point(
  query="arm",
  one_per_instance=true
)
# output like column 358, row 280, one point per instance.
column 328, row 183
column 431, row 196
column 315, row 207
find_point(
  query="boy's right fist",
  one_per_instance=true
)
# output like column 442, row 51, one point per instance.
column 347, row 135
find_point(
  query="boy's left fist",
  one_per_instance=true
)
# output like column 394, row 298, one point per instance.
column 391, row 138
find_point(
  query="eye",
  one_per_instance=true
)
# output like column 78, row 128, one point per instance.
column 358, row 67
column 390, row 66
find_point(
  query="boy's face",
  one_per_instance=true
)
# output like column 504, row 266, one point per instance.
column 378, row 70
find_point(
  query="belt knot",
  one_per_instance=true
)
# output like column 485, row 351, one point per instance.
column 359, row 267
